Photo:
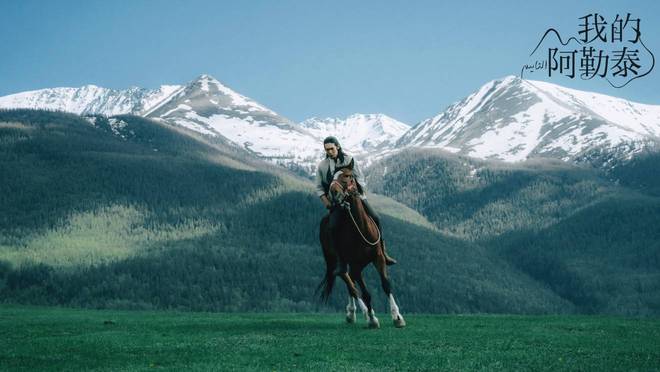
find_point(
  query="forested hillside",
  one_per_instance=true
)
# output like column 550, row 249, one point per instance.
column 125, row 212
column 591, row 237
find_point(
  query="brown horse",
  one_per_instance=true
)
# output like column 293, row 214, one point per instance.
column 359, row 243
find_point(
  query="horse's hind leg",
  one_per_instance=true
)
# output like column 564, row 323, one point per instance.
column 397, row 318
column 371, row 316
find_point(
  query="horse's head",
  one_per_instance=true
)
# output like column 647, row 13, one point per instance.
column 344, row 184
column 344, row 178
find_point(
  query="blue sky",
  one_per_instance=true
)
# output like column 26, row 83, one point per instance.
column 407, row 59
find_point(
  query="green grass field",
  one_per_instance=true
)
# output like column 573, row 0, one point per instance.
column 38, row 339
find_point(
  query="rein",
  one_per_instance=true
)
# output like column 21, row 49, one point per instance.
column 355, row 223
column 358, row 229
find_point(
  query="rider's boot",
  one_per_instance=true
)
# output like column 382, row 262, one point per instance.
column 388, row 260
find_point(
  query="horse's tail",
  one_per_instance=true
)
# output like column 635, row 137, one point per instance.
column 328, row 282
column 326, row 285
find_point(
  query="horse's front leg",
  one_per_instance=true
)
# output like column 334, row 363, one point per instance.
column 353, row 297
column 350, row 310
column 368, row 309
column 381, row 267
column 397, row 318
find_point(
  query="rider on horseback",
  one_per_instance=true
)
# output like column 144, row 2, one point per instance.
column 336, row 158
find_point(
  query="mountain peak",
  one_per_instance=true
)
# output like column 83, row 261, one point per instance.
column 91, row 87
column 205, row 77
column 510, row 79
column 205, row 81
column 359, row 116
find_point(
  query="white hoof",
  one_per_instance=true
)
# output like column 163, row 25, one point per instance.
column 374, row 323
column 350, row 318
column 399, row 322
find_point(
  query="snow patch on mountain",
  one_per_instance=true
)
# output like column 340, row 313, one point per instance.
column 89, row 99
column 359, row 133
column 513, row 120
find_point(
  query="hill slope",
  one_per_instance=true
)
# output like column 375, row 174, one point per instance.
column 594, row 243
column 125, row 212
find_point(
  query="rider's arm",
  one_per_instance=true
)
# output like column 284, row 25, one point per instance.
column 320, row 191
column 326, row 202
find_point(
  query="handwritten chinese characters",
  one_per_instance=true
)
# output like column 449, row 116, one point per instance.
column 611, row 50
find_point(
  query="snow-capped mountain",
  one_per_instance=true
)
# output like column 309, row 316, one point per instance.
column 207, row 106
column 508, row 119
column 359, row 133
column 513, row 119
column 90, row 99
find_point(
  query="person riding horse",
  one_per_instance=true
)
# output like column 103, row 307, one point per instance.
column 326, row 172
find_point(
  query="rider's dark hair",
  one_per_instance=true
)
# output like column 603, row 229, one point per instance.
column 335, row 141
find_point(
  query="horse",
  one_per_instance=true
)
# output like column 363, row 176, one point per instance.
column 359, row 243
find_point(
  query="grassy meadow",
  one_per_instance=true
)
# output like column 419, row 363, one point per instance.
column 44, row 339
